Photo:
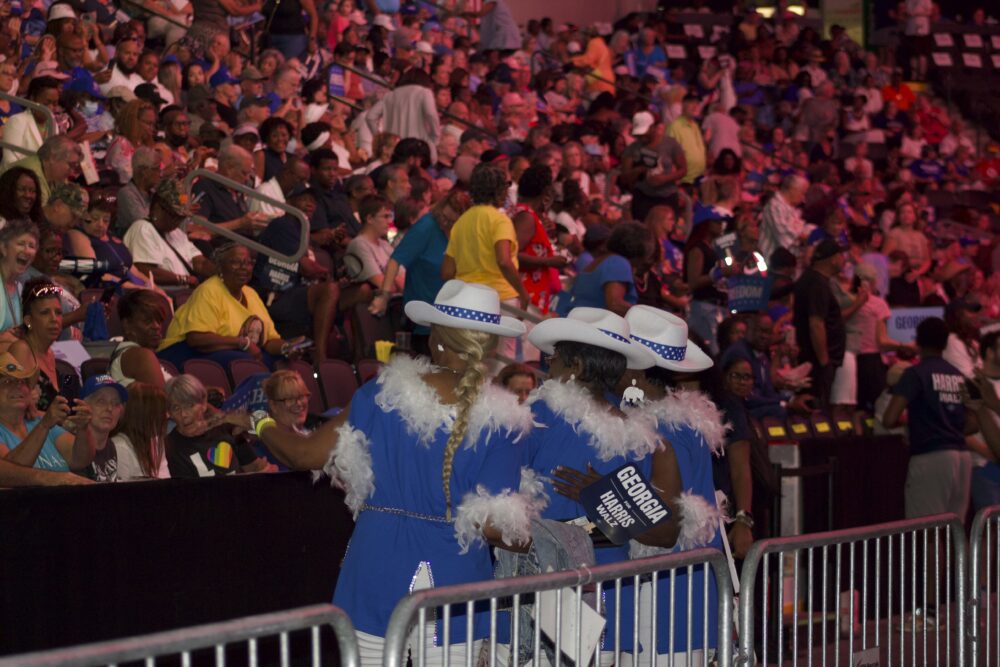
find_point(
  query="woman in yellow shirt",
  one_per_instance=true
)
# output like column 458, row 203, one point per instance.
column 224, row 319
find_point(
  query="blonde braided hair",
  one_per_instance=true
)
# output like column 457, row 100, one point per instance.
column 475, row 346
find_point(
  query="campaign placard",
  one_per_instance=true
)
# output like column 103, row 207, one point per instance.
column 749, row 293
column 623, row 504
column 903, row 322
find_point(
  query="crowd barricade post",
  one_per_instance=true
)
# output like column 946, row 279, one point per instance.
column 984, row 585
column 251, row 194
column 564, row 597
column 875, row 584
column 286, row 626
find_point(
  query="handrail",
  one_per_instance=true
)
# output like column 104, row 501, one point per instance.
column 241, row 239
column 187, row 640
column 520, row 314
column 50, row 121
column 156, row 13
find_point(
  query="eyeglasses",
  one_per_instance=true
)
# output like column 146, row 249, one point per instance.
column 15, row 382
column 292, row 400
column 741, row 377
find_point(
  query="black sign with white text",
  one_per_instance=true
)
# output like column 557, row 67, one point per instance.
column 623, row 504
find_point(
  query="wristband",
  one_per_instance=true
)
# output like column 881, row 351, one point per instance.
column 742, row 517
column 260, row 420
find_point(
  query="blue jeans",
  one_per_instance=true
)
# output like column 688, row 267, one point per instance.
column 292, row 46
column 180, row 352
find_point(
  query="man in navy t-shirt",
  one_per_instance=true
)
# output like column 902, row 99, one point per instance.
column 940, row 468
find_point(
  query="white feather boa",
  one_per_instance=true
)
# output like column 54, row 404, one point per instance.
column 350, row 467
column 403, row 391
column 699, row 522
column 509, row 512
column 608, row 433
column 692, row 409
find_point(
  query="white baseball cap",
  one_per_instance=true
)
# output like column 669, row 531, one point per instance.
column 642, row 122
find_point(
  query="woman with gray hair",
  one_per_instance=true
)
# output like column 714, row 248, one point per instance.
column 203, row 443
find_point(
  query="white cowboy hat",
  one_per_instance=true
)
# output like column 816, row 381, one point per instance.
column 666, row 336
column 463, row 305
column 593, row 326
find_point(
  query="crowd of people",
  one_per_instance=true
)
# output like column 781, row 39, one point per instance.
column 742, row 223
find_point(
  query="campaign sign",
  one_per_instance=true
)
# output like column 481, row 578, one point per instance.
column 623, row 505
column 749, row 293
column 903, row 322
column 248, row 395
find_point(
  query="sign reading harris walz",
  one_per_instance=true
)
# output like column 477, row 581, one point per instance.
column 623, row 504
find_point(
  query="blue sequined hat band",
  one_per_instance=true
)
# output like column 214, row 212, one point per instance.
column 668, row 352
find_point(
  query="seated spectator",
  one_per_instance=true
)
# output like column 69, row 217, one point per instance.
column 106, row 399
column 18, row 245
column 764, row 399
column 40, row 328
column 223, row 206
column 291, row 177
column 135, row 126
column 608, row 282
column 19, row 196
column 40, row 442
column 46, row 266
column 268, row 161
column 57, row 161
column 142, row 314
column 224, row 319
column 160, row 248
column 202, row 444
column 300, row 297
column 92, row 240
column 141, row 436
column 134, row 197
column 369, row 252
column 27, row 129
column 518, row 379
column 287, row 400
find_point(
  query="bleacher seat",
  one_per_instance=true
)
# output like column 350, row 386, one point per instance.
column 241, row 369
column 211, row 374
column 94, row 366
column 308, row 375
column 367, row 369
column 338, row 381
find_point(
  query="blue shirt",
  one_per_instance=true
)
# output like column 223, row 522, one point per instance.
column 422, row 253
column 935, row 413
column 49, row 457
column 639, row 62
column 588, row 290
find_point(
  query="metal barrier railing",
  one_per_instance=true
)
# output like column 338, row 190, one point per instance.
column 252, row 194
column 564, row 610
column 215, row 636
column 984, row 575
column 153, row 11
column 857, row 612
column 50, row 122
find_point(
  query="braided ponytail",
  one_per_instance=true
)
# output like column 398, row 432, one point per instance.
column 475, row 345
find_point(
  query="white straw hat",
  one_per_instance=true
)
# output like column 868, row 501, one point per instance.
column 593, row 326
column 463, row 305
column 666, row 336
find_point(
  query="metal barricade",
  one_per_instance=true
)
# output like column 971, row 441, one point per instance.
column 559, row 598
column 50, row 122
column 984, row 588
column 191, row 643
column 252, row 194
column 880, row 610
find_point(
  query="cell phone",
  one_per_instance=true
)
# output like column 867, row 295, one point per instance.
column 90, row 17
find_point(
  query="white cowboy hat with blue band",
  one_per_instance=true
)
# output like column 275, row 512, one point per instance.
column 463, row 305
column 666, row 336
column 593, row 326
